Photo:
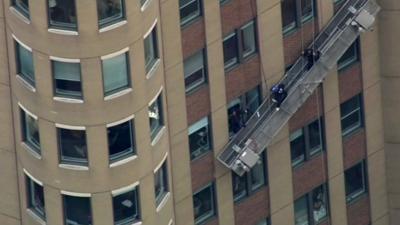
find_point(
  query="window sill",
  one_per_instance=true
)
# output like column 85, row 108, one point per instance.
column 113, row 26
column 67, row 100
column 153, row 69
column 158, row 136
column 232, row 67
column 25, row 83
column 347, row 66
column 36, row 217
column 73, row 167
column 145, row 5
column 200, row 155
column 118, row 94
column 356, row 198
column 123, row 161
column 31, row 150
column 63, row 32
column 163, row 201
column 20, row 15
column 195, row 89
column 191, row 21
column 347, row 134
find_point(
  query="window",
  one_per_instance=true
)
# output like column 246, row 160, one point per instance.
column 77, row 210
column 314, row 202
column 351, row 115
column 30, row 131
column 204, row 204
column 115, row 74
column 22, row 6
column 126, row 207
column 143, row 2
column 35, row 197
column 67, row 79
column 295, row 13
column 62, row 14
column 306, row 142
column 356, row 181
column 121, row 141
column 195, row 71
column 151, row 49
column 110, row 11
column 189, row 10
column 241, row 109
column 240, row 44
column 264, row 222
column 24, row 63
column 156, row 117
column 199, row 138
column 72, row 144
column 161, row 183
column 350, row 56
column 250, row 182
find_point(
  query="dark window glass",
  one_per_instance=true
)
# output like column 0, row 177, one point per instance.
column 25, row 64
column 62, row 14
column 22, row 6
column 73, row 146
column 355, row 179
column 115, row 74
column 77, row 210
column 67, row 79
column 142, row 2
column 30, row 131
column 319, row 204
column 110, row 11
column 151, row 49
column 120, row 141
column 288, row 15
column 126, row 207
column 301, row 211
column 156, row 117
column 189, row 10
column 161, row 183
column 35, row 197
column 314, row 136
column 204, row 204
column 307, row 9
column 312, row 208
column 248, row 39
column 297, row 147
column 351, row 116
column 349, row 57
column 195, row 71
column 199, row 138
column 230, row 50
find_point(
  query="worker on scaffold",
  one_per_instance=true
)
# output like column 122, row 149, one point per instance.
column 311, row 56
column 278, row 94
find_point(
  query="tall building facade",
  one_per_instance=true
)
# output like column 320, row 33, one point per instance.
column 114, row 111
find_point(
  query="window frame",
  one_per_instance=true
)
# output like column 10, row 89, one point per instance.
column 131, row 188
column 188, row 20
column 30, row 79
column 359, row 110
column 111, row 20
column 352, row 60
column 159, row 101
column 205, row 217
column 30, row 183
column 153, row 35
column 67, row 161
column 111, row 93
column 73, row 28
column 194, row 128
column 243, row 54
column 300, row 20
column 163, row 169
column 24, row 11
column 351, row 197
column 23, row 113
column 126, row 153
column 54, row 60
column 191, row 88
column 65, row 194
column 308, row 198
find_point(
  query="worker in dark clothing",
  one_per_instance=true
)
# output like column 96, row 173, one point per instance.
column 278, row 94
column 311, row 56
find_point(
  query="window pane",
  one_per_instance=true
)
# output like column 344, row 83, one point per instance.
column 350, row 112
column 203, row 204
column 77, row 210
column 22, row 6
column 239, row 186
column 73, row 146
column 110, row 11
column 297, row 147
column 125, row 207
column 189, row 10
column 150, row 49
column 235, row 117
column 248, row 39
column 301, row 211
column 350, row 56
column 194, row 71
column 156, row 117
column 120, row 141
column 288, row 15
column 30, row 131
column 307, row 10
column 230, row 51
column 35, row 198
column 25, row 64
column 319, row 205
column 315, row 137
column 199, row 138
column 256, row 175
column 115, row 74
column 252, row 101
column 67, row 78
column 161, row 183
column 62, row 14
column 355, row 181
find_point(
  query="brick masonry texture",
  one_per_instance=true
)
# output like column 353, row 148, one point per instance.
column 237, row 13
column 253, row 209
column 193, row 38
column 202, row 170
column 213, row 221
column 350, row 82
column 358, row 212
column 198, row 104
column 242, row 78
column 309, row 175
column 354, row 148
